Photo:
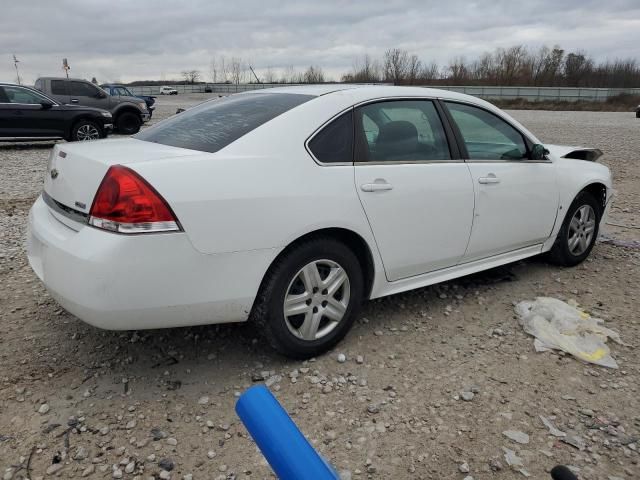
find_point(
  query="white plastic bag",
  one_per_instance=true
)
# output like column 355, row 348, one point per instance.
column 560, row 326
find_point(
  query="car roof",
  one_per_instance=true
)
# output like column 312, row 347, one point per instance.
column 370, row 91
column 341, row 96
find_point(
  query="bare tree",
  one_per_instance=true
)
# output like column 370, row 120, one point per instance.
column 291, row 75
column 237, row 70
column 213, row 70
column 414, row 66
column 269, row 75
column 191, row 76
column 396, row 65
column 577, row 69
column 313, row 74
column 458, row 71
column 364, row 69
column 430, row 73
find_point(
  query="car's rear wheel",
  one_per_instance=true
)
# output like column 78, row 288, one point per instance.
column 310, row 297
column 85, row 130
column 579, row 231
column 128, row 123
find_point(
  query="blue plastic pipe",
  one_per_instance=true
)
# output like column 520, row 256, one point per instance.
column 289, row 453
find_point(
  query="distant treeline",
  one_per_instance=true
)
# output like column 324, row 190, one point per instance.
column 515, row 66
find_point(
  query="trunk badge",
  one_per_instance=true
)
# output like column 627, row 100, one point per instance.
column 54, row 173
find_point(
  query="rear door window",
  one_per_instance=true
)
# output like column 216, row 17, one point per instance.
column 215, row 124
column 81, row 89
column 58, row 87
column 400, row 131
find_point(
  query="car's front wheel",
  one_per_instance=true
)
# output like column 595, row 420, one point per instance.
column 310, row 297
column 579, row 231
column 128, row 123
column 85, row 130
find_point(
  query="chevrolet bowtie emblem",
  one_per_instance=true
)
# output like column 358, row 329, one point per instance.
column 53, row 173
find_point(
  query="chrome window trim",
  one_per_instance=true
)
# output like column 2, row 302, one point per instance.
column 498, row 160
column 353, row 107
column 408, row 162
column 417, row 162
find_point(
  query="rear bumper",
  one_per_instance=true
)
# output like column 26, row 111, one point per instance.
column 145, row 117
column 123, row 282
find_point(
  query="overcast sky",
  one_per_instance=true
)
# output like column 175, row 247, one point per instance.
column 116, row 40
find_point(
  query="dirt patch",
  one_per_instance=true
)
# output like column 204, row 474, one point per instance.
column 432, row 380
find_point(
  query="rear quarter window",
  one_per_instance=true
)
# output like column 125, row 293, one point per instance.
column 214, row 125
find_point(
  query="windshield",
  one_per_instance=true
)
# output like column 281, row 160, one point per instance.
column 214, row 125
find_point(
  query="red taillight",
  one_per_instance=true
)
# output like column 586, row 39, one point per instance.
column 126, row 203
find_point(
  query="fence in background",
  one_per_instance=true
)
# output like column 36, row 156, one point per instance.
column 491, row 93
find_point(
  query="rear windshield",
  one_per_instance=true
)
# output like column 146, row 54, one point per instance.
column 214, row 125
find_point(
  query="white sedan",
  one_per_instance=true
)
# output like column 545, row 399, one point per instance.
column 289, row 206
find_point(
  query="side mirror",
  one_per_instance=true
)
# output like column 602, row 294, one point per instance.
column 46, row 104
column 538, row 152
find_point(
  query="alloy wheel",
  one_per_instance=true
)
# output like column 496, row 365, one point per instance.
column 87, row 132
column 581, row 230
column 316, row 299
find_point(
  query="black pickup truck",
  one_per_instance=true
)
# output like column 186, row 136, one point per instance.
column 26, row 113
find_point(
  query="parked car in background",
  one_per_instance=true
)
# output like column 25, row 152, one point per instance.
column 356, row 192
column 28, row 113
column 168, row 91
column 208, row 89
column 129, row 113
column 122, row 91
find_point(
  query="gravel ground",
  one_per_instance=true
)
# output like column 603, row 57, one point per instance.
column 432, row 378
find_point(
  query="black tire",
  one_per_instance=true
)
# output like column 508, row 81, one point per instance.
column 268, row 311
column 128, row 123
column 84, row 130
column 638, row 114
column 561, row 253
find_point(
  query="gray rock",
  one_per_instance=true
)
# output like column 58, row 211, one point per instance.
column 516, row 436
column 54, row 469
column 552, row 428
column 467, row 396
column 464, row 467
column 574, row 440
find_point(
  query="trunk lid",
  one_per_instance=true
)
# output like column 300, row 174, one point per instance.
column 75, row 170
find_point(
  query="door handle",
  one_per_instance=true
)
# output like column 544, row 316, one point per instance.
column 74, row 100
column 379, row 185
column 491, row 178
